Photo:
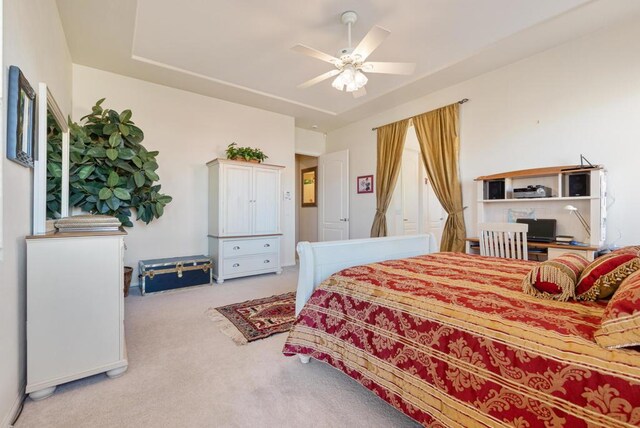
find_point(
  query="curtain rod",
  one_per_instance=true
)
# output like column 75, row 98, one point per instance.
column 462, row 101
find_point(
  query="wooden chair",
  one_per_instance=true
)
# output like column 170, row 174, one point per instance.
column 506, row 240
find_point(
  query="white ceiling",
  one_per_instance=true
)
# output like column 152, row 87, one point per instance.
column 240, row 50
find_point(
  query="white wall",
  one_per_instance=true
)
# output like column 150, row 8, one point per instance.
column 34, row 41
column 580, row 97
column 310, row 143
column 189, row 130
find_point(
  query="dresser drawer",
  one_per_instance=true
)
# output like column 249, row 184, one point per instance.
column 557, row 252
column 245, row 247
column 251, row 264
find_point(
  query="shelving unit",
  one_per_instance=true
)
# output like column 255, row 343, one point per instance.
column 591, row 206
column 551, row 199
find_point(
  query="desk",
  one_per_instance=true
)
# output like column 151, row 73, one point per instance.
column 552, row 249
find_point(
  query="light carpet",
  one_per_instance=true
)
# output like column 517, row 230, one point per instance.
column 183, row 372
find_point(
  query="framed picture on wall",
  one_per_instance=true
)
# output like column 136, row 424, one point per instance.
column 365, row 184
column 21, row 117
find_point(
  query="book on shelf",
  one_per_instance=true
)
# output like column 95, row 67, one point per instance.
column 89, row 229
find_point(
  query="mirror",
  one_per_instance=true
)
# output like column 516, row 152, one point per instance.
column 21, row 109
column 309, row 192
column 51, row 173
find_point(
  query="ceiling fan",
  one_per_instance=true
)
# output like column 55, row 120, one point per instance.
column 350, row 65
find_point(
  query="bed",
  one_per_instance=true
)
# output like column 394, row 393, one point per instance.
column 450, row 340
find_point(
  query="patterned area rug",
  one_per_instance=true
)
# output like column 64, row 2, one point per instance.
column 256, row 319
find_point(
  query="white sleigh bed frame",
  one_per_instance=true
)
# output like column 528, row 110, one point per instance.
column 320, row 260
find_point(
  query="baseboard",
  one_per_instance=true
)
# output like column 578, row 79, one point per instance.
column 10, row 417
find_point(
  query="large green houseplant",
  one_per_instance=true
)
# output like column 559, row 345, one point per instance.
column 110, row 170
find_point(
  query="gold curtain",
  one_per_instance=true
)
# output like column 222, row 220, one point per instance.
column 437, row 133
column 390, row 144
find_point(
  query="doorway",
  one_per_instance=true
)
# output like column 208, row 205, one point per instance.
column 414, row 207
column 306, row 198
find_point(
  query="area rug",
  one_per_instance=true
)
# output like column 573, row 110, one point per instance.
column 256, row 319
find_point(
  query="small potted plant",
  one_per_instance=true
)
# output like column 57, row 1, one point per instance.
column 246, row 154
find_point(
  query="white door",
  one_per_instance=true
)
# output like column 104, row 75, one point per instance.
column 410, row 192
column 266, row 201
column 237, row 196
column 436, row 215
column 403, row 214
column 333, row 196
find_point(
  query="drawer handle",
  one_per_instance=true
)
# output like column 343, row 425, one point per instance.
column 236, row 248
column 267, row 261
column 236, row 264
column 267, row 245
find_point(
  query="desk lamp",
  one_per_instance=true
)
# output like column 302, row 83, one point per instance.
column 584, row 223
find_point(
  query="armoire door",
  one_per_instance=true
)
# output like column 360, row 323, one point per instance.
column 236, row 200
column 266, row 201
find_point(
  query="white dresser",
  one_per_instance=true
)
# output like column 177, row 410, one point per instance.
column 75, row 308
column 244, row 218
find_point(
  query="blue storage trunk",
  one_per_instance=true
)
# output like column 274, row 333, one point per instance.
column 158, row 275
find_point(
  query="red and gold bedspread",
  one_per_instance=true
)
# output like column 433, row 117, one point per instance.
column 451, row 340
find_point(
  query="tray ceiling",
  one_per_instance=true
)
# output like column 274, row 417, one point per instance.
column 240, row 51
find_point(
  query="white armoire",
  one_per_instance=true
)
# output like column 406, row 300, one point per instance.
column 244, row 218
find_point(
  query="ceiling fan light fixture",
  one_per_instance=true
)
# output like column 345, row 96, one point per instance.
column 351, row 87
column 350, row 79
column 338, row 83
column 360, row 79
column 350, row 63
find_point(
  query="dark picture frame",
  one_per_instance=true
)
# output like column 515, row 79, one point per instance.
column 365, row 184
column 307, row 181
column 21, row 119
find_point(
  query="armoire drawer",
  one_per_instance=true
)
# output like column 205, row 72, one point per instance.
column 251, row 264
column 245, row 247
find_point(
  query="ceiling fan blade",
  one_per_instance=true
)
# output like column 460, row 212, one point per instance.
column 371, row 41
column 359, row 93
column 389, row 67
column 306, row 50
column 319, row 79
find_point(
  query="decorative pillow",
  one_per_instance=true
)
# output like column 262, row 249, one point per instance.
column 603, row 276
column 555, row 279
column 620, row 325
column 634, row 249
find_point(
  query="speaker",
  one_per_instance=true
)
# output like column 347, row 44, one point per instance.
column 494, row 189
column 579, row 184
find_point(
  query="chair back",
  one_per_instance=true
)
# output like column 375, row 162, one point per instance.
column 506, row 240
